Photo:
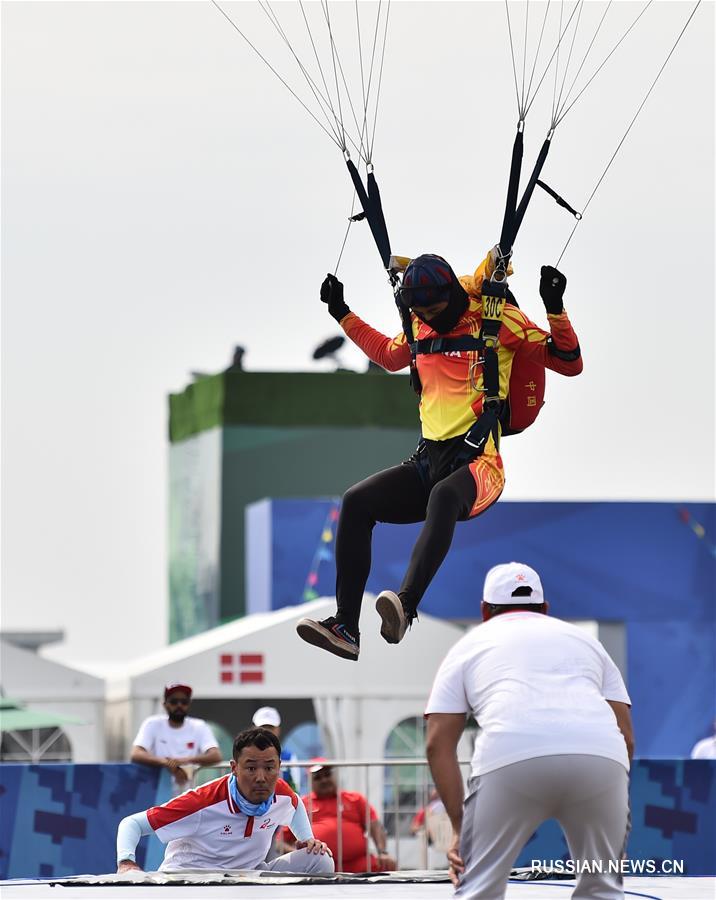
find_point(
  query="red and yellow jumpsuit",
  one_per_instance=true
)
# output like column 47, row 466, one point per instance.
column 425, row 487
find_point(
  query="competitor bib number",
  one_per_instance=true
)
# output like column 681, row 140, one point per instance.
column 492, row 307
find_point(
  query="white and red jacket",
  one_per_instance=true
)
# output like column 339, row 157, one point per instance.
column 204, row 828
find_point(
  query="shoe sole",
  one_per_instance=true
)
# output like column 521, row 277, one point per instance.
column 308, row 630
column 390, row 610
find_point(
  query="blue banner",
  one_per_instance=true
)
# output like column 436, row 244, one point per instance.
column 62, row 819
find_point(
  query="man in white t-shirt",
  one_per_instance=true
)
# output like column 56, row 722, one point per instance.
column 175, row 740
column 229, row 823
column 554, row 741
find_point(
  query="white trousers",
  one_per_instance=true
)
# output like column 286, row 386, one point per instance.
column 301, row 862
column 587, row 795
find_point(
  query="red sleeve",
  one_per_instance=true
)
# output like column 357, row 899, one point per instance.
column 187, row 804
column 283, row 789
column 392, row 354
column 520, row 334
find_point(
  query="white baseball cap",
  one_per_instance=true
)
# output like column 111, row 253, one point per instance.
column 502, row 581
column 267, row 715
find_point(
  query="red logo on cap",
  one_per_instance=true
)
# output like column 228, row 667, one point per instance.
column 520, row 577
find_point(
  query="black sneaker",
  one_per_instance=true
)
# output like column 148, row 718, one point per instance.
column 330, row 634
column 396, row 617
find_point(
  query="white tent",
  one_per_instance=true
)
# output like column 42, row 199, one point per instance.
column 54, row 688
column 259, row 658
column 357, row 705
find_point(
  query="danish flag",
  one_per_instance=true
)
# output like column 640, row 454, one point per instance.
column 241, row 668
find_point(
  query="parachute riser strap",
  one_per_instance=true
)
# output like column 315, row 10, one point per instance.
column 372, row 209
column 513, row 187
column 527, row 195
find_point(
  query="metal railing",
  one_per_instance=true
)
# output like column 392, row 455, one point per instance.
column 400, row 798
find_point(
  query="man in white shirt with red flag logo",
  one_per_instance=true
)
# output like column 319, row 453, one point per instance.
column 229, row 823
column 175, row 740
column 554, row 741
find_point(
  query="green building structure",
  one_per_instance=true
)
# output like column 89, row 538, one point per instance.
column 239, row 437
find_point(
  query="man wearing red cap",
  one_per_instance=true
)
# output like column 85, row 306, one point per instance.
column 175, row 740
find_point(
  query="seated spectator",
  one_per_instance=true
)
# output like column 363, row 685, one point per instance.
column 322, row 807
column 433, row 807
column 175, row 739
column 229, row 823
column 434, row 821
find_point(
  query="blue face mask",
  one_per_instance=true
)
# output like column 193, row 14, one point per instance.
column 246, row 807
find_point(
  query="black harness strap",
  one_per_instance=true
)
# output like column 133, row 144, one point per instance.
column 448, row 344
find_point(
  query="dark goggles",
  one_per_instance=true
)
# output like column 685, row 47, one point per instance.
column 424, row 295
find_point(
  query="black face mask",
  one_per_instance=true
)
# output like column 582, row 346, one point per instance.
column 446, row 320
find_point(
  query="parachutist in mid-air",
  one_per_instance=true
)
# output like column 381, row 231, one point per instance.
column 456, row 472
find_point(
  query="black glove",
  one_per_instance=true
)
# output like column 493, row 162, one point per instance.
column 551, row 289
column 332, row 295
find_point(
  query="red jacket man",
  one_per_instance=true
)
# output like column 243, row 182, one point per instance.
column 357, row 817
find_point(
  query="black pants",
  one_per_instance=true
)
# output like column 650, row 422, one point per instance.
column 411, row 492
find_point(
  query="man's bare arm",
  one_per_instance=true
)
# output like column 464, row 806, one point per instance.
column 444, row 732
column 141, row 755
column 380, row 838
column 622, row 712
column 210, row 757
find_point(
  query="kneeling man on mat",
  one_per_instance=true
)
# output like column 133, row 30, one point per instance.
column 229, row 823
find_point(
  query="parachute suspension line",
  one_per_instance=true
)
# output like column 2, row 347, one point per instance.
column 310, row 112
column 315, row 90
column 556, row 68
column 380, row 75
column 636, row 114
column 324, row 7
column 562, row 33
column 539, row 45
column 362, row 78
column 320, row 68
column 524, row 53
column 514, row 66
column 563, row 113
column 584, row 60
column 337, row 60
column 345, row 236
column 569, row 59
column 370, row 138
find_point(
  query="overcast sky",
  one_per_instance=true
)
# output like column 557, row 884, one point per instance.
column 164, row 198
